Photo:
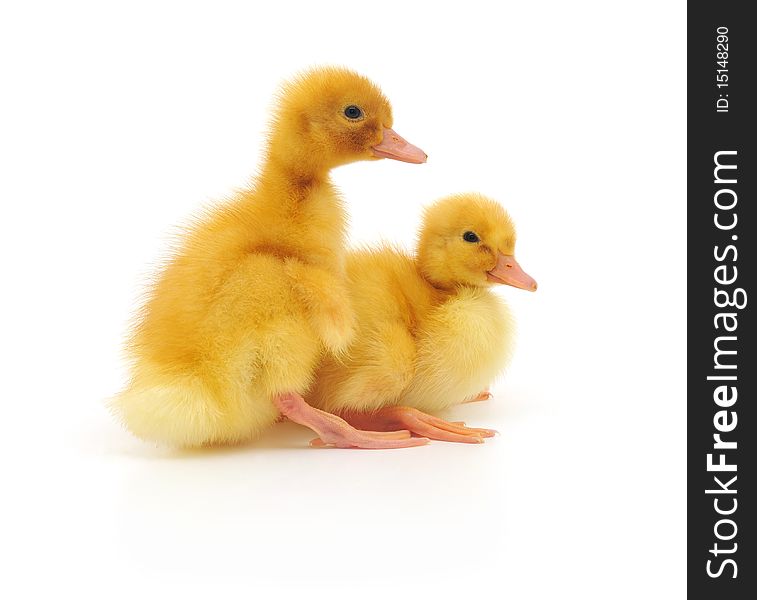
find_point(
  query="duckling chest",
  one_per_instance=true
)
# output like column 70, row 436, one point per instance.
column 463, row 345
column 475, row 328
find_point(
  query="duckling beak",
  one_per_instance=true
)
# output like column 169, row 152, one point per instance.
column 508, row 271
column 393, row 145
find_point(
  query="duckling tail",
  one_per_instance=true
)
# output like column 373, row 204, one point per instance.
column 176, row 413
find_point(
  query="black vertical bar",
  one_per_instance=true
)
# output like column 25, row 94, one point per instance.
column 721, row 261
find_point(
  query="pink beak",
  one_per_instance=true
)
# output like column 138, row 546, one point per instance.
column 395, row 146
column 508, row 271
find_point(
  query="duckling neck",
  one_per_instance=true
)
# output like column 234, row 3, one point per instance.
column 438, row 293
column 304, row 215
column 442, row 293
column 293, row 158
column 294, row 178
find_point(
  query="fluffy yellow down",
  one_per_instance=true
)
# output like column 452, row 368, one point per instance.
column 255, row 294
column 431, row 333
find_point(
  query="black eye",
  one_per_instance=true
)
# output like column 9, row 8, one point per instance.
column 471, row 237
column 353, row 112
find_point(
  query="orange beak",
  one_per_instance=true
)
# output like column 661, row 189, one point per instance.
column 393, row 145
column 508, row 271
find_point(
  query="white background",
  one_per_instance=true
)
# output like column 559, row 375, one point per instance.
column 118, row 121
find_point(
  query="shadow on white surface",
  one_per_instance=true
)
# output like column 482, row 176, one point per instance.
column 340, row 516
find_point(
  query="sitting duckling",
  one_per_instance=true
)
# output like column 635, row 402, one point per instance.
column 431, row 334
column 237, row 322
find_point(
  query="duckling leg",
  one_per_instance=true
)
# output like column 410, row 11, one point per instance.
column 334, row 431
column 420, row 423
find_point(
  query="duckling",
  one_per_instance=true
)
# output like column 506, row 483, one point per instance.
column 235, row 325
column 430, row 331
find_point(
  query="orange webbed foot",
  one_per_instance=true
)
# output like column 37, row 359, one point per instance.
column 420, row 423
column 336, row 432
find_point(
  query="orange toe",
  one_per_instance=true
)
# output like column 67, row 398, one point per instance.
column 420, row 423
column 335, row 431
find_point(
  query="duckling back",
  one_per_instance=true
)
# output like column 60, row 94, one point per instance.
column 223, row 330
column 379, row 362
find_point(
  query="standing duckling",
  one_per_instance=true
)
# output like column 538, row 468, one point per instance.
column 234, row 326
column 431, row 334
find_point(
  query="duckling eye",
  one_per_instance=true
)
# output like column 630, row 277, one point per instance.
column 471, row 237
column 353, row 112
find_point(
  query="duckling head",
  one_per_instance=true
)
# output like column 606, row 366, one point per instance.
column 469, row 239
column 332, row 116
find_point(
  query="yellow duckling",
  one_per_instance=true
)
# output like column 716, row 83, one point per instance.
column 235, row 325
column 430, row 332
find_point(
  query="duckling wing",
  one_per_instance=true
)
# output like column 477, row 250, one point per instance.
column 372, row 374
